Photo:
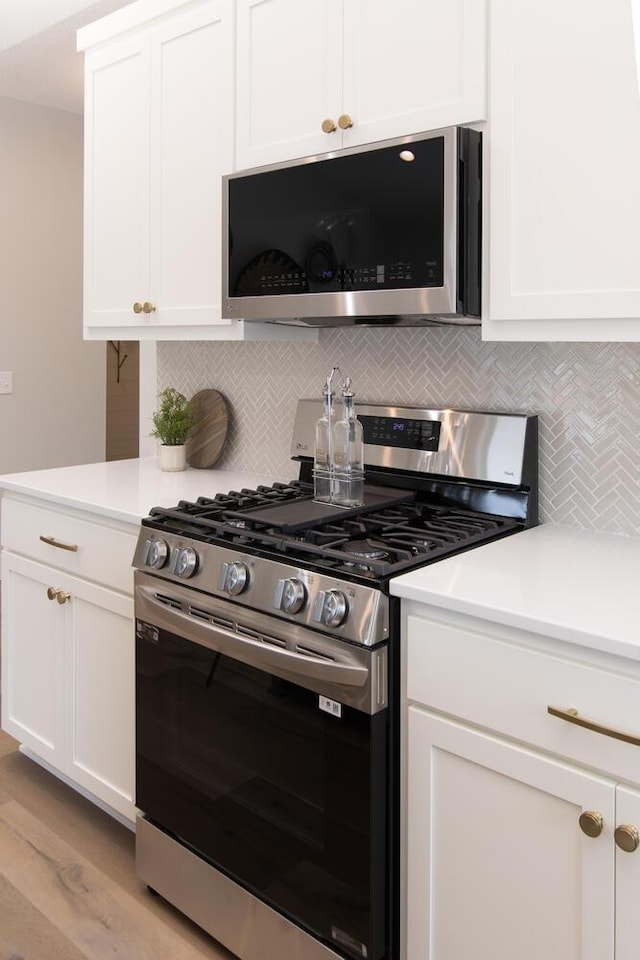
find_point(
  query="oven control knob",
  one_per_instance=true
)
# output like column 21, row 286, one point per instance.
column 186, row 563
column 157, row 553
column 234, row 577
column 290, row 595
column 331, row 608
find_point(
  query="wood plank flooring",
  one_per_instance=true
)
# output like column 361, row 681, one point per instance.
column 68, row 887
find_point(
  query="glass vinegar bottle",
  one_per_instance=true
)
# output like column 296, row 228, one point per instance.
column 348, row 454
column 323, row 450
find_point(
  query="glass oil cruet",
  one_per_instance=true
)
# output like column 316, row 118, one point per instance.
column 348, row 454
column 323, row 451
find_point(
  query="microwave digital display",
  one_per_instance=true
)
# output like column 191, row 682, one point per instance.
column 367, row 221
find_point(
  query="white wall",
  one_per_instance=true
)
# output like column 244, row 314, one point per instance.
column 56, row 414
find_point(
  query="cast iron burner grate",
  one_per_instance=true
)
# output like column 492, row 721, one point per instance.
column 396, row 538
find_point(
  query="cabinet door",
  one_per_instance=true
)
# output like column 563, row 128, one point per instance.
column 68, row 677
column 497, row 864
column 289, row 79
column 116, row 227
column 627, row 879
column 191, row 147
column 563, row 153
column 99, row 693
column 33, row 630
column 413, row 66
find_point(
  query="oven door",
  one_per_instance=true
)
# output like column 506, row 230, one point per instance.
column 264, row 748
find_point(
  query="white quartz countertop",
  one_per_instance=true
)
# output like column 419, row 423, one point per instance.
column 574, row 585
column 127, row 489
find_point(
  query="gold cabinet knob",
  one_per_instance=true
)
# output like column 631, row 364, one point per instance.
column 591, row 822
column 329, row 125
column 148, row 307
column 345, row 121
column 137, row 307
column 627, row 837
column 56, row 593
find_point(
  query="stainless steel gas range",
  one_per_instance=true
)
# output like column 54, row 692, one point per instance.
column 267, row 679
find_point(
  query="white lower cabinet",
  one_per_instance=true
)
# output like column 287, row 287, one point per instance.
column 497, row 864
column 514, row 849
column 68, row 671
column 627, row 879
column 33, row 641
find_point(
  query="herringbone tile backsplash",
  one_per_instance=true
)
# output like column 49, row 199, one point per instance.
column 587, row 397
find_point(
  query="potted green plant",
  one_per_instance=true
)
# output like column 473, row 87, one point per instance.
column 172, row 422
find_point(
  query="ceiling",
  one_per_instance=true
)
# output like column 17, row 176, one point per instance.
column 38, row 58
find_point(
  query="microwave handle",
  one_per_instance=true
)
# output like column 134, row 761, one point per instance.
column 469, row 222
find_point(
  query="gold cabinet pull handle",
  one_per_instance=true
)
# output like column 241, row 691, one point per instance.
column 345, row 122
column 571, row 716
column 58, row 543
column 591, row 822
column 148, row 307
column 627, row 837
column 329, row 126
column 137, row 307
column 52, row 592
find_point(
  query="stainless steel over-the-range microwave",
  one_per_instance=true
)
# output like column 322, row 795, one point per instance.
column 384, row 234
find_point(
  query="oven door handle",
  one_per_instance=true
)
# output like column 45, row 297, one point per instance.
column 301, row 662
column 339, row 668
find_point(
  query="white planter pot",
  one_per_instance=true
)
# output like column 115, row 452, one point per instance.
column 172, row 458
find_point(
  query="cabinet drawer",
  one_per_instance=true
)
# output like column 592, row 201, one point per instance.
column 93, row 551
column 507, row 688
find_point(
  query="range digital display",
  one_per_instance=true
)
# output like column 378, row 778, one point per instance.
column 401, row 432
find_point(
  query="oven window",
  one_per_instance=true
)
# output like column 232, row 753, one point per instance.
column 283, row 797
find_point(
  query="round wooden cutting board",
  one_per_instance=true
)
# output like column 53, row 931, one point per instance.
column 209, row 432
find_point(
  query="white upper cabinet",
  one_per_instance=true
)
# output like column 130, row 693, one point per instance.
column 116, row 239
column 159, row 131
column 317, row 77
column 288, row 78
column 563, row 155
column 410, row 66
column 192, row 137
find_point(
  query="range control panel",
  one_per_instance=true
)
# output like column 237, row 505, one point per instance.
column 401, row 432
column 462, row 444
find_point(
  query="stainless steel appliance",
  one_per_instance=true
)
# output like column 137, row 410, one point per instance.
column 267, row 679
column 387, row 234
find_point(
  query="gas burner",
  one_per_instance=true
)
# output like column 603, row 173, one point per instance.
column 362, row 569
column 417, row 545
column 365, row 550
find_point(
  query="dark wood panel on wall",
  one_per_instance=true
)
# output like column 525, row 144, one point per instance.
column 123, row 374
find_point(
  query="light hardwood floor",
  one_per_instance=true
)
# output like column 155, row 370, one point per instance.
column 68, row 887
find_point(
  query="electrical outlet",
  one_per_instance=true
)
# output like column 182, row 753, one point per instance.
column 6, row 382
